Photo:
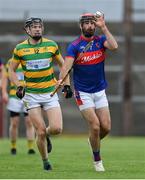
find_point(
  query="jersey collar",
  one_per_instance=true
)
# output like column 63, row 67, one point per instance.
column 87, row 39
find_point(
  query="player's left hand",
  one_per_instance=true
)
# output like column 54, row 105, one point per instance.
column 67, row 91
column 100, row 22
column 20, row 92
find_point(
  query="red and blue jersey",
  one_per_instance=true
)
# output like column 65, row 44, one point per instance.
column 88, row 70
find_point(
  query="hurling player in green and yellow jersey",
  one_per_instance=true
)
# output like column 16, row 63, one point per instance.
column 36, row 55
column 15, row 106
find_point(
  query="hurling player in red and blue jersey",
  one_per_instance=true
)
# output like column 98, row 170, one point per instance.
column 89, row 79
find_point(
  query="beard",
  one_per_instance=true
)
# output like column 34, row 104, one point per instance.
column 37, row 38
column 88, row 33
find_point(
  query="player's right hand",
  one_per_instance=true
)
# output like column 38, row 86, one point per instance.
column 20, row 92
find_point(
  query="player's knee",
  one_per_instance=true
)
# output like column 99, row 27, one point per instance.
column 107, row 129
column 96, row 129
column 42, row 133
column 14, row 124
column 59, row 130
column 56, row 130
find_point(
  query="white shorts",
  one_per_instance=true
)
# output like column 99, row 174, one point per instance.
column 43, row 100
column 86, row 100
column 16, row 105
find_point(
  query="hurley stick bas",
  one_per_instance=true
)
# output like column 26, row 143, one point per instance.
column 79, row 57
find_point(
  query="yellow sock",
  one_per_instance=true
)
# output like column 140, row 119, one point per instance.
column 30, row 144
column 13, row 144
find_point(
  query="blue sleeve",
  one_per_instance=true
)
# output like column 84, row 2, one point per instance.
column 71, row 51
column 103, row 38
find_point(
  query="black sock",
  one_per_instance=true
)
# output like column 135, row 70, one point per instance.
column 45, row 161
column 96, row 155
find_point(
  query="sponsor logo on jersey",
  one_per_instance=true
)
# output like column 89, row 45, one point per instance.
column 97, row 45
column 26, row 50
column 82, row 47
column 91, row 58
column 37, row 64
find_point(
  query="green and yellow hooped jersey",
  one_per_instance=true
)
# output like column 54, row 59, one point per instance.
column 36, row 61
column 20, row 75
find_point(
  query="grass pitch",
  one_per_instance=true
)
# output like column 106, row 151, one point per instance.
column 124, row 158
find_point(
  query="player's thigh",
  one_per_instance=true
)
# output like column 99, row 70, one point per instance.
column 55, row 117
column 90, row 116
column 104, row 117
column 14, row 121
column 35, row 115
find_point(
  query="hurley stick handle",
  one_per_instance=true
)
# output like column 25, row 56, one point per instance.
column 59, row 86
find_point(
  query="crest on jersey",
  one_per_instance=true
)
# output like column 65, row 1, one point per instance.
column 82, row 47
column 36, row 50
column 97, row 45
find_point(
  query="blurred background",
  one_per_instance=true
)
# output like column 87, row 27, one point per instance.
column 125, row 68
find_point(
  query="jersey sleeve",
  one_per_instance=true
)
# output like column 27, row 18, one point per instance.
column 71, row 51
column 57, row 53
column 15, row 56
column 103, row 38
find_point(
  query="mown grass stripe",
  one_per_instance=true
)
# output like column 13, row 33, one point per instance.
column 123, row 157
